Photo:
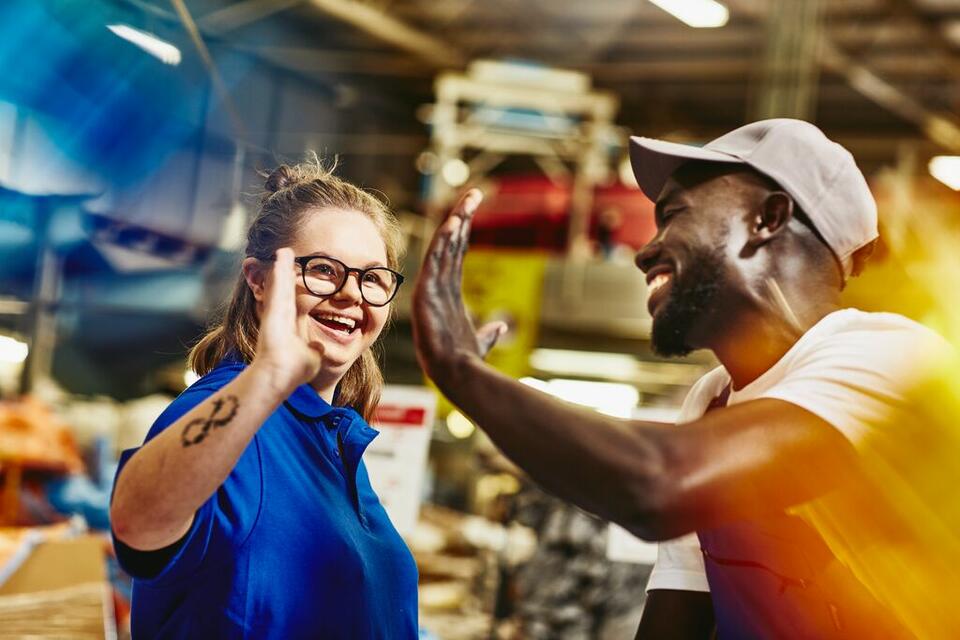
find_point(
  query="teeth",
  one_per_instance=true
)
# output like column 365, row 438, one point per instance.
column 349, row 322
column 658, row 281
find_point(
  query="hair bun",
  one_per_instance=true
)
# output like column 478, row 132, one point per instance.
column 281, row 178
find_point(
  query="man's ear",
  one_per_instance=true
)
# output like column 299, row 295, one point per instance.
column 254, row 274
column 774, row 213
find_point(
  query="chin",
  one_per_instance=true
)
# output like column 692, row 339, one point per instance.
column 669, row 340
column 335, row 361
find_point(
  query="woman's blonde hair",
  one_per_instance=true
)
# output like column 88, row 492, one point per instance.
column 291, row 193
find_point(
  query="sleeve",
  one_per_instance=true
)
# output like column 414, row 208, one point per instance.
column 679, row 566
column 220, row 524
column 853, row 380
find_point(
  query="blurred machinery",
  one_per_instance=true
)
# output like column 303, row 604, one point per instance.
column 499, row 109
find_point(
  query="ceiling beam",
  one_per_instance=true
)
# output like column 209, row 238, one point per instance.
column 933, row 35
column 942, row 129
column 386, row 28
column 241, row 14
column 734, row 37
column 310, row 60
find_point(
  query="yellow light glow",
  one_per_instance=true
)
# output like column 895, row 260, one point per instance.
column 946, row 169
column 459, row 426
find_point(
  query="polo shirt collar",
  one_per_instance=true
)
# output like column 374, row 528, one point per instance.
column 306, row 402
column 232, row 360
column 355, row 434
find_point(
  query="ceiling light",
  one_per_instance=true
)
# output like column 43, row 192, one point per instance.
column 159, row 49
column 946, row 169
column 703, row 14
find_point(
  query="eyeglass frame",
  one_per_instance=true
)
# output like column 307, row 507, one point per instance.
column 303, row 261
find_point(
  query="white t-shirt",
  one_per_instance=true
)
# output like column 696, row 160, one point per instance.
column 848, row 369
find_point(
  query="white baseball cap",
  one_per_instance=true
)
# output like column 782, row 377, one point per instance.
column 820, row 175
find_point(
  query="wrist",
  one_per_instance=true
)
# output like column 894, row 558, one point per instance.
column 452, row 372
column 273, row 376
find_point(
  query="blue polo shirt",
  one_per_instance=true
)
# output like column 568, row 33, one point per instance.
column 294, row 544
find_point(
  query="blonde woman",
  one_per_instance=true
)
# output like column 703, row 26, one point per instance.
column 248, row 511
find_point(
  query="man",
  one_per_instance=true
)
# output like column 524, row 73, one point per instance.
column 758, row 232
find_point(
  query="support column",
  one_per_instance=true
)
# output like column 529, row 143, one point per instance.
column 791, row 69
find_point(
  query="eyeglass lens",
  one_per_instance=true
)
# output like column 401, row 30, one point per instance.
column 324, row 276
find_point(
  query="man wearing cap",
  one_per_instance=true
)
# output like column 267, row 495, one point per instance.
column 758, row 232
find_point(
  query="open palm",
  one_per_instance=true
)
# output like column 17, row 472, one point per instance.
column 282, row 344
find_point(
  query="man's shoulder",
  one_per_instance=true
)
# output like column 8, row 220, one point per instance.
column 875, row 333
column 856, row 321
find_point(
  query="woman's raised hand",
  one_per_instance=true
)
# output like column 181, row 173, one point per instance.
column 282, row 345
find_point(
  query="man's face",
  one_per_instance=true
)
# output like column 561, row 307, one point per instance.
column 690, row 270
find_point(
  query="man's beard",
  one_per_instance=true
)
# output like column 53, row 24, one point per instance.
column 693, row 296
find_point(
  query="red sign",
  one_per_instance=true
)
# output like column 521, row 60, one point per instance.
column 400, row 416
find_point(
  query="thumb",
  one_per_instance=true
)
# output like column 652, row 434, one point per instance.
column 488, row 335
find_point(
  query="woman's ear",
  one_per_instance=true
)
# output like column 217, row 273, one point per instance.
column 775, row 212
column 254, row 274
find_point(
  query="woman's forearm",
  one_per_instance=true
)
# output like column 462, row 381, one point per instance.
column 170, row 477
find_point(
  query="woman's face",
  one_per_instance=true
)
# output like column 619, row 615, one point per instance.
column 352, row 238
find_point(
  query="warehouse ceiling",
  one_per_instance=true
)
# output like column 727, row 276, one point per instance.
column 886, row 70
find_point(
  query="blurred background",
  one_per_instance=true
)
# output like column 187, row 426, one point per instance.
column 131, row 136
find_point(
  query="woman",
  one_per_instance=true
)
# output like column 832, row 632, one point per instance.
column 248, row 511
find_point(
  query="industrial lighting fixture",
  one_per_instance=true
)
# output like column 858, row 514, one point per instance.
column 159, row 49
column 946, row 169
column 702, row 14
column 12, row 351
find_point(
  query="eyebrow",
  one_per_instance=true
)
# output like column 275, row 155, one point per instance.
column 665, row 200
column 369, row 265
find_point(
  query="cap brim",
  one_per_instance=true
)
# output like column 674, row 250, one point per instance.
column 653, row 161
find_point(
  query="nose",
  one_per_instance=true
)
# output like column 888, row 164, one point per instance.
column 351, row 289
column 648, row 255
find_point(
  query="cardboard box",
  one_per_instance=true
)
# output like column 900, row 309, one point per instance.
column 60, row 590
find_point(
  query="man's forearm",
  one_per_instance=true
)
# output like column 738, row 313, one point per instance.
column 607, row 466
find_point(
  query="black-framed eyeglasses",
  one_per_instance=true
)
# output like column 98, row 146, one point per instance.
column 324, row 276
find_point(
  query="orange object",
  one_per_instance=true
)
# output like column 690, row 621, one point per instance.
column 34, row 439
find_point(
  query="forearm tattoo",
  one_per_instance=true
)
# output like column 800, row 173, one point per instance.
column 224, row 410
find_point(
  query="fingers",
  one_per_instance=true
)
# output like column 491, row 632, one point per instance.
column 469, row 204
column 459, row 221
column 464, row 210
column 279, row 285
column 446, row 249
column 488, row 334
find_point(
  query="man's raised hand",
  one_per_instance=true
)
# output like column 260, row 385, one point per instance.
column 442, row 329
